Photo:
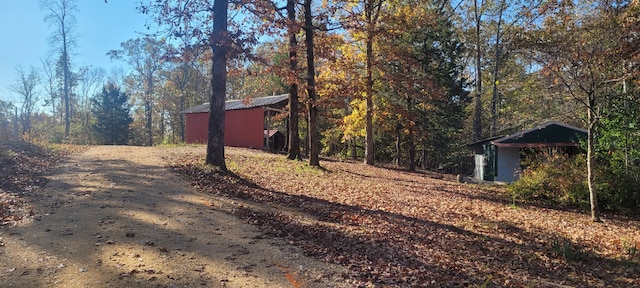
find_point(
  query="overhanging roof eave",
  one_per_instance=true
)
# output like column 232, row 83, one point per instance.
column 534, row 145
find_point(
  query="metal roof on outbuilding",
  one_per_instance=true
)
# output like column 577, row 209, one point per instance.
column 550, row 134
column 553, row 134
column 239, row 104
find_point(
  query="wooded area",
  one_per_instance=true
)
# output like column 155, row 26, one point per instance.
column 392, row 106
column 404, row 82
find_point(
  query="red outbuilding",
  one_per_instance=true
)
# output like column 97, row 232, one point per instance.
column 247, row 122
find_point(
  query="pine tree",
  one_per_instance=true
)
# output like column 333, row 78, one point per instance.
column 111, row 111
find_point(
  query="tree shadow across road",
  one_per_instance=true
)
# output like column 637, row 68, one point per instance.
column 110, row 219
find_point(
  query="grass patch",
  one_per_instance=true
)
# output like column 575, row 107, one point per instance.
column 567, row 251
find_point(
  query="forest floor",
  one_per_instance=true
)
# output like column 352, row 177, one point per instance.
column 116, row 216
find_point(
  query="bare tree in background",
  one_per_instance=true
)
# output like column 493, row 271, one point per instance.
column 90, row 81
column 145, row 55
column 25, row 86
column 60, row 16
column 49, row 85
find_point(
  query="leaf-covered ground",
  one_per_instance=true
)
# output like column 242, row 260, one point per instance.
column 22, row 169
column 388, row 227
column 394, row 228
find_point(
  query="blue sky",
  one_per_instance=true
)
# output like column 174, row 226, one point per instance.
column 100, row 27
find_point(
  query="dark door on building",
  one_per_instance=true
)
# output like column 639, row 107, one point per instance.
column 490, row 164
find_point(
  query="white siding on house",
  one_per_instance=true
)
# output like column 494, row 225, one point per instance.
column 508, row 164
column 478, row 171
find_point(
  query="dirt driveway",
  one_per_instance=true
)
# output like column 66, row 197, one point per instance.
column 113, row 216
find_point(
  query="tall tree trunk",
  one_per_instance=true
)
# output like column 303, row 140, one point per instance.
column 424, row 156
column 215, row 143
column 149, row 126
column 412, row 150
column 369, row 153
column 369, row 148
column 181, row 119
column 314, row 143
column 60, row 14
column 410, row 141
column 354, row 148
column 65, row 85
column 294, row 135
column 626, row 127
column 592, row 122
column 16, row 124
column 477, row 120
column 149, row 109
column 398, row 143
column 183, row 81
column 496, row 69
column 162, row 127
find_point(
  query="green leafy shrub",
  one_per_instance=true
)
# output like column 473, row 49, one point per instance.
column 618, row 191
column 552, row 177
column 561, row 180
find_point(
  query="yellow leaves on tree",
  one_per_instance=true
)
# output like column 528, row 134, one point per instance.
column 354, row 123
column 338, row 78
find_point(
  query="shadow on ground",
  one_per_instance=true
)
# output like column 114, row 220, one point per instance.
column 385, row 248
